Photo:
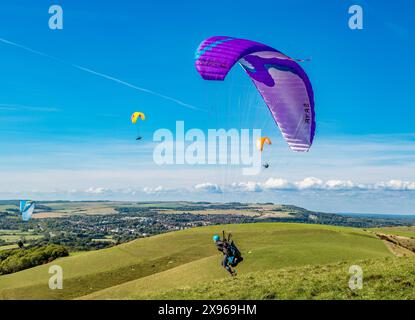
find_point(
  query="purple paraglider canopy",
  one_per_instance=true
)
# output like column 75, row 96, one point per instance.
column 280, row 80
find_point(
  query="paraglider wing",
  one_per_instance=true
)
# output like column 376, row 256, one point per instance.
column 280, row 80
column 137, row 115
column 22, row 205
column 261, row 141
column 134, row 117
column 27, row 208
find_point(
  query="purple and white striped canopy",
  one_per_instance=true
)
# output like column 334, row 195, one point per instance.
column 280, row 80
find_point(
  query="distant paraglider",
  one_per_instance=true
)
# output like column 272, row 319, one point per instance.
column 260, row 143
column 280, row 80
column 260, row 146
column 134, row 117
column 26, row 209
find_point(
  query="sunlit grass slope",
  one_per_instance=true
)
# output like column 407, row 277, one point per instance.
column 384, row 278
column 171, row 260
column 265, row 247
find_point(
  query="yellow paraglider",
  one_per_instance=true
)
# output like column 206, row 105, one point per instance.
column 134, row 117
column 260, row 143
column 137, row 115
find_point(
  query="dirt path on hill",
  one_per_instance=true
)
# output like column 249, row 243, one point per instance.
column 400, row 246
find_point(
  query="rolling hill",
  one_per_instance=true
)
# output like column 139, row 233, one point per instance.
column 153, row 265
column 385, row 278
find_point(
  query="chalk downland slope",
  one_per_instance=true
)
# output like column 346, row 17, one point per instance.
column 383, row 279
column 268, row 246
column 150, row 266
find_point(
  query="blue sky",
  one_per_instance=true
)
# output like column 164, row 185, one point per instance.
column 65, row 131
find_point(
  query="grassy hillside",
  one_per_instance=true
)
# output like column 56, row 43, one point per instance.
column 164, row 262
column 387, row 278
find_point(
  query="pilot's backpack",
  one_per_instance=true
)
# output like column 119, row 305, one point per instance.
column 235, row 255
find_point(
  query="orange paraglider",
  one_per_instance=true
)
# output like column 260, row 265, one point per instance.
column 260, row 143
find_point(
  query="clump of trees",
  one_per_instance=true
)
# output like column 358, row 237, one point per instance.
column 19, row 259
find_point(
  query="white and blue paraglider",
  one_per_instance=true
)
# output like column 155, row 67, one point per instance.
column 26, row 209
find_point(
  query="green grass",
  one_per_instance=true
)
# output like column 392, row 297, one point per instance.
column 77, row 253
column 171, row 205
column 16, row 236
column 104, row 240
column 164, row 262
column 9, row 246
column 10, row 238
column 386, row 279
column 4, row 231
column 4, row 207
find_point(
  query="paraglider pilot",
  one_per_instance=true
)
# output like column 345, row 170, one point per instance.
column 231, row 254
column 223, row 247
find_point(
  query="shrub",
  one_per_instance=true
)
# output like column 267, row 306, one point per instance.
column 19, row 259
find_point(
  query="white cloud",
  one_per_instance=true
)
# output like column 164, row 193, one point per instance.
column 154, row 190
column 312, row 183
column 332, row 195
column 339, row 185
column 98, row 190
column 277, row 184
column 208, row 187
column 268, row 186
column 249, row 186
column 398, row 185
column 309, row 183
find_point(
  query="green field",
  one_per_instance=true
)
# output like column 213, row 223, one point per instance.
column 3, row 232
column 69, row 208
column 150, row 266
column 12, row 236
column 104, row 240
column 17, row 237
column 8, row 246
